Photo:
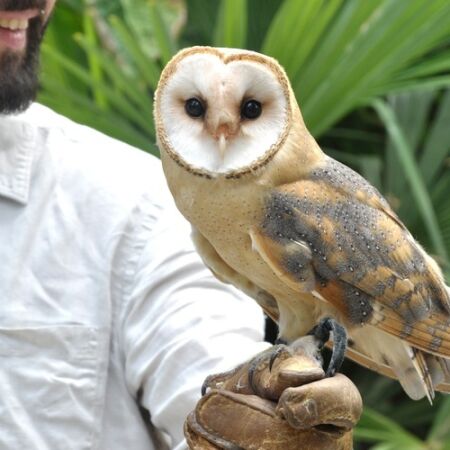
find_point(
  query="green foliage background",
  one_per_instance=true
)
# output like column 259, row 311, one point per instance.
column 372, row 78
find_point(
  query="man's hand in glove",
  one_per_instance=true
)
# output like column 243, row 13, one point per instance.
column 288, row 406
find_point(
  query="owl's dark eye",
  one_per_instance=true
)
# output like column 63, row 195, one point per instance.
column 251, row 109
column 194, row 107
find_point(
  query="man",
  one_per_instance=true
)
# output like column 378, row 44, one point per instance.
column 106, row 309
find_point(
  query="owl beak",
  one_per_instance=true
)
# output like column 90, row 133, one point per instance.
column 222, row 131
column 222, row 145
column 222, row 134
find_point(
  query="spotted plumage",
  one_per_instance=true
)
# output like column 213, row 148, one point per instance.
column 304, row 235
column 364, row 260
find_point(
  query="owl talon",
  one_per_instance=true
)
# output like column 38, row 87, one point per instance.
column 253, row 367
column 267, row 358
column 322, row 333
column 280, row 346
column 277, row 351
column 215, row 381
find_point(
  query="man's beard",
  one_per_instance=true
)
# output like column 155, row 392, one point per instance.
column 19, row 70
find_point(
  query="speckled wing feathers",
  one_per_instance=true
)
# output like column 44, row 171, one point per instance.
column 364, row 260
column 291, row 261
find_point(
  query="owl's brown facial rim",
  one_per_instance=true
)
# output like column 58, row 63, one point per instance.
column 222, row 112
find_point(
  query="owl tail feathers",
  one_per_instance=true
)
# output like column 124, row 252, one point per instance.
column 439, row 369
column 414, row 374
column 424, row 373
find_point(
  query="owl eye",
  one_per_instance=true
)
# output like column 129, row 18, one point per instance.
column 251, row 109
column 194, row 107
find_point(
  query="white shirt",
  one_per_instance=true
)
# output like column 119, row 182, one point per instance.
column 104, row 304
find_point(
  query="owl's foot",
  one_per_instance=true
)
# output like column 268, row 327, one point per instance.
column 257, row 374
column 322, row 333
column 281, row 346
column 264, row 359
column 217, row 380
column 277, row 362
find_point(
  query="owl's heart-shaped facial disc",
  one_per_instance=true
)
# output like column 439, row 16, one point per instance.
column 222, row 112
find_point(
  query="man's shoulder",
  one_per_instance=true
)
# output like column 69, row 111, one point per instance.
column 99, row 162
column 87, row 141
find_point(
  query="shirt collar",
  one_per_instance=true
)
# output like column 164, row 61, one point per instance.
column 17, row 139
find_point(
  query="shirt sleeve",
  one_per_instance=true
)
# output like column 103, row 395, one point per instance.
column 180, row 324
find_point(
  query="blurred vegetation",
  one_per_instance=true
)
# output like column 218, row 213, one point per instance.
column 372, row 78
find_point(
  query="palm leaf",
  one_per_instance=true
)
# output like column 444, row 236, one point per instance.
column 374, row 427
column 231, row 26
column 414, row 177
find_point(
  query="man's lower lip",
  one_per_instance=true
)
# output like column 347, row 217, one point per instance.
column 13, row 39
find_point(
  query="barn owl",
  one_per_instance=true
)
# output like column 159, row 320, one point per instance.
column 304, row 235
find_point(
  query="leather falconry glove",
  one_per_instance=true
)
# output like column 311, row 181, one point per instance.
column 276, row 403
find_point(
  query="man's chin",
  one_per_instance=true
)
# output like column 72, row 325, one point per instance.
column 17, row 104
column 18, row 82
column 19, row 72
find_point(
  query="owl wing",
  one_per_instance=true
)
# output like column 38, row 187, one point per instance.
column 363, row 259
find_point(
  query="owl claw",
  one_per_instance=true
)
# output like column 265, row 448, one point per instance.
column 277, row 351
column 322, row 333
column 268, row 357
column 253, row 367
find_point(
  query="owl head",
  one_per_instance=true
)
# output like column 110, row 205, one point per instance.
column 222, row 112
